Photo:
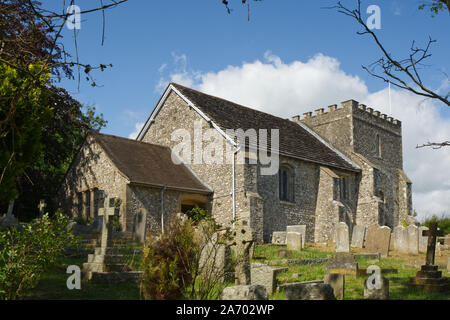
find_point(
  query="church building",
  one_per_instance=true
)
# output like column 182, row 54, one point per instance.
column 343, row 164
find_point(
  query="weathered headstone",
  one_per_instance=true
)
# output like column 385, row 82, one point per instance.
column 301, row 228
column 447, row 240
column 379, row 291
column 337, row 282
column 308, row 290
column 139, row 226
column 243, row 238
column 294, row 241
column 215, row 261
column 342, row 238
column 244, row 292
column 401, row 239
column 279, row 237
column 358, row 235
column 265, row 275
column 42, row 205
column 423, row 240
column 413, row 239
column 9, row 220
column 342, row 263
column 378, row 239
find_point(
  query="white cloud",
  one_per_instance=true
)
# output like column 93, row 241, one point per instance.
column 137, row 128
column 290, row 89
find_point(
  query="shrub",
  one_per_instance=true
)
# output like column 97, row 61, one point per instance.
column 443, row 223
column 168, row 262
column 197, row 214
column 27, row 252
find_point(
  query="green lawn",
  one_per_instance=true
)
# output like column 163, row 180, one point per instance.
column 53, row 284
column 354, row 286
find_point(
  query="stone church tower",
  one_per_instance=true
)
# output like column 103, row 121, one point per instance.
column 374, row 142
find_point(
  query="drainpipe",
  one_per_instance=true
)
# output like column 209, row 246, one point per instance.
column 233, row 182
column 162, row 208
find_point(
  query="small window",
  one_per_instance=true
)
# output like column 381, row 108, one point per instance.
column 378, row 146
column 286, row 183
column 344, row 188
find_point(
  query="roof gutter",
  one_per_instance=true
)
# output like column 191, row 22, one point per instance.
column 156, row 185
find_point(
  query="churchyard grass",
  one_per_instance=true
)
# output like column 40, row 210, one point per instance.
column 53, row 286
column 399, row 288
column 53, row 283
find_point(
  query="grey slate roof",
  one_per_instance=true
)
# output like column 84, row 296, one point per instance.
column 147, row 164
column 295, row 141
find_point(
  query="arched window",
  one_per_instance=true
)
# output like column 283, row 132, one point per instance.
column 286, row 183
column 378, row 145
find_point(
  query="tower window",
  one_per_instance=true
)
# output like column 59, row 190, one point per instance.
column 378, row 146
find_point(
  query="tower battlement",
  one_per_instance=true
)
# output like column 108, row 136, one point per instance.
column 349, row 107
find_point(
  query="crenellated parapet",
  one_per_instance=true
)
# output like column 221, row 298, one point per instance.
column 349, row 107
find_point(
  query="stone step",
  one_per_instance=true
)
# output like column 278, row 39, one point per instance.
column 116, row 267
column 116, row 277
column 105, row 258
column 108, row 250
column 93, row 267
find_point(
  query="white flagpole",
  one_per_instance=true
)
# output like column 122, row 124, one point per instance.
column 390, row 102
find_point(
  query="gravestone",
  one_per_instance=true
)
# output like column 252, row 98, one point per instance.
column 301, row 228
column 401, row 239
column 243, row 238
column 106, row 265
column 279, row 237
column 215, row 261
column 447, row 240
column 358, row 235
column 139, row 226
column 41, row 206
column 423, row 240
column 342, row 238
column 378, row 239
column 308, row 290
column 244, row 292
column 380, row 292
column 413, row 239
column 265, row 275
column 448, row 264
column 429, row 278
column 9, row 220
column 337, row 282
column 342, row 263
column 294, row 241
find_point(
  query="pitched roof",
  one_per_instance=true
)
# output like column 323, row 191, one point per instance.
column 148, row 164
column 295, row 139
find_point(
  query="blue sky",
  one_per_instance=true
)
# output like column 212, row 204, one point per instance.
column 198, row 43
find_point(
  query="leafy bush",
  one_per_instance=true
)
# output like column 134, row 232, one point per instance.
column 168, row 262
column 197, row 214
column 26, row 253
column 443, row 223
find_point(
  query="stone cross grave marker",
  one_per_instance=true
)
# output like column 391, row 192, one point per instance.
column 9, row 219
column 432, row 234
column 41, row 206
column 243, row 237
column 106, row 212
